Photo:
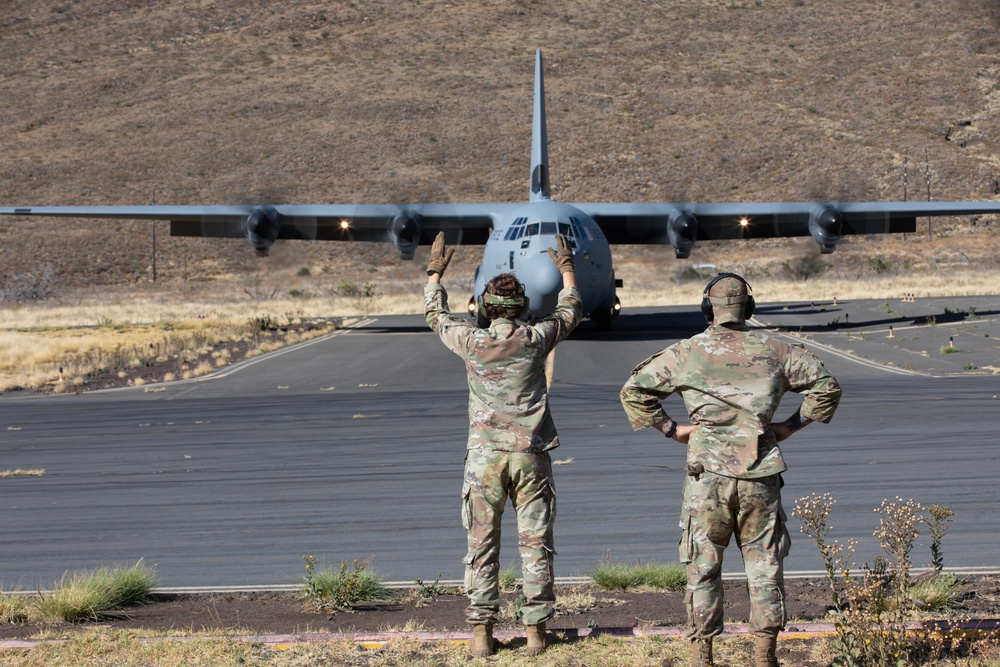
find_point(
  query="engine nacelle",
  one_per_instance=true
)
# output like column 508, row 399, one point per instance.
column 682, row 230
column 405, row 233
column 825, row 224
column 261, row 228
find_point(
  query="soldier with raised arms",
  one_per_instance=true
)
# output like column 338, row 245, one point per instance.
column 510, row 435
column 731, row 380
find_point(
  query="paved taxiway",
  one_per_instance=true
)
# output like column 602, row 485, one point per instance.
column 352, row 446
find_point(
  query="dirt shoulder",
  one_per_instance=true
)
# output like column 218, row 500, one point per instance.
column 285, row 613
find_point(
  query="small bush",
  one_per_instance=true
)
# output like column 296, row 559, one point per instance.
column 263, row 323
column 331, row 591
column 804, row 267
column 878, row 265
column 430, row 591
column 692, row 274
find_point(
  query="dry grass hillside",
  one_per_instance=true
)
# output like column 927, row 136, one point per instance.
column 221, row 101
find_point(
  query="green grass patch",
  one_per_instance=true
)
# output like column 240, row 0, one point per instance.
column 611, row 576
column 83, row 596
column 507, row 579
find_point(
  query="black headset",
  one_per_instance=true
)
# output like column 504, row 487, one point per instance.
column 706, row 303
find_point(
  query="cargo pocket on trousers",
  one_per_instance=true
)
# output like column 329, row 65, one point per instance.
column 784, row 539
column 686, row 549
column 470, row 556
column 467, row 506
column 470, row 576
column 552, row 502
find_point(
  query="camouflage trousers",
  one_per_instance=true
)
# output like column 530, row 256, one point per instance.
column 490, row 477
column 715, row 508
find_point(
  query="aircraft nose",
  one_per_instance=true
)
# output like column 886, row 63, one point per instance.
column 542, row 282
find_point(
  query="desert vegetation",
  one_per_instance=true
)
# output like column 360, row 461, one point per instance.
column 877, row 607
column 62, row 337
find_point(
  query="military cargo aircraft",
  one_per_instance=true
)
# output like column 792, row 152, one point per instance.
column 516, row 235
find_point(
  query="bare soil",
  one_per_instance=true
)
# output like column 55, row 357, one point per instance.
column 288, row 613
column 238, row 101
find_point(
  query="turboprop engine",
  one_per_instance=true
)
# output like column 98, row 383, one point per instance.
column 825, row 224
column 261, row 227
column 682, row 230
column 405, row 233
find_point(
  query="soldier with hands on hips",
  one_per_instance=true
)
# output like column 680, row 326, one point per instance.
column 731, row 380
column 510, row 434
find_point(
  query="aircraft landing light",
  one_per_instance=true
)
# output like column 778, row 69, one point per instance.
column 744, row 222
column 344, row 224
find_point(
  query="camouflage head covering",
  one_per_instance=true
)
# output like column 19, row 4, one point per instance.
column 729, row 298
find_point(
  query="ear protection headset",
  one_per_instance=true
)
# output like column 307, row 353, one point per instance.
column 706, row 303
column 497, row 300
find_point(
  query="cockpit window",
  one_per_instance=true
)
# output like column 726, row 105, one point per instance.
column 531, row 230
column 566, row 229
column 581, row 231
column 549, row 228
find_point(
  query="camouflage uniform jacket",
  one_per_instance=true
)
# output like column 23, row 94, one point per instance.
column 731, row 380
column 508, row 402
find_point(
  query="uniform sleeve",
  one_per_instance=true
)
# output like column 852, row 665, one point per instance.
column 650, row 383
column 808, row 376
column 561, row 322
column 454, row 331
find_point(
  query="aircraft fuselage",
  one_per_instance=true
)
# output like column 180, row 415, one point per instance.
column 519, row 243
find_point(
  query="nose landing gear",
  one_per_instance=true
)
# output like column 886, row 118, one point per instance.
column 604, row 316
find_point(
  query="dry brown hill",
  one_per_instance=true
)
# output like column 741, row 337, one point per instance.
column 202, row 101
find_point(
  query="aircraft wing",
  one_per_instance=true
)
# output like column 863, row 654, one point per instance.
column 404, row 225
column 681, row 225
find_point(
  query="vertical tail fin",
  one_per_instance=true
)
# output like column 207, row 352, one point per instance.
column 539, row 139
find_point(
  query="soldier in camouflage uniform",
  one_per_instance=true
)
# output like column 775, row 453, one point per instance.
column 731, row 380
column 510, row 434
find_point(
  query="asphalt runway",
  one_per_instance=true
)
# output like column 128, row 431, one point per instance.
column 352, row 446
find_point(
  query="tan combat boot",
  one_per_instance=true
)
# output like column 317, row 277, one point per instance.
column 763, row 651
column 536, row 639
column 701, row 653
column 482, row 640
